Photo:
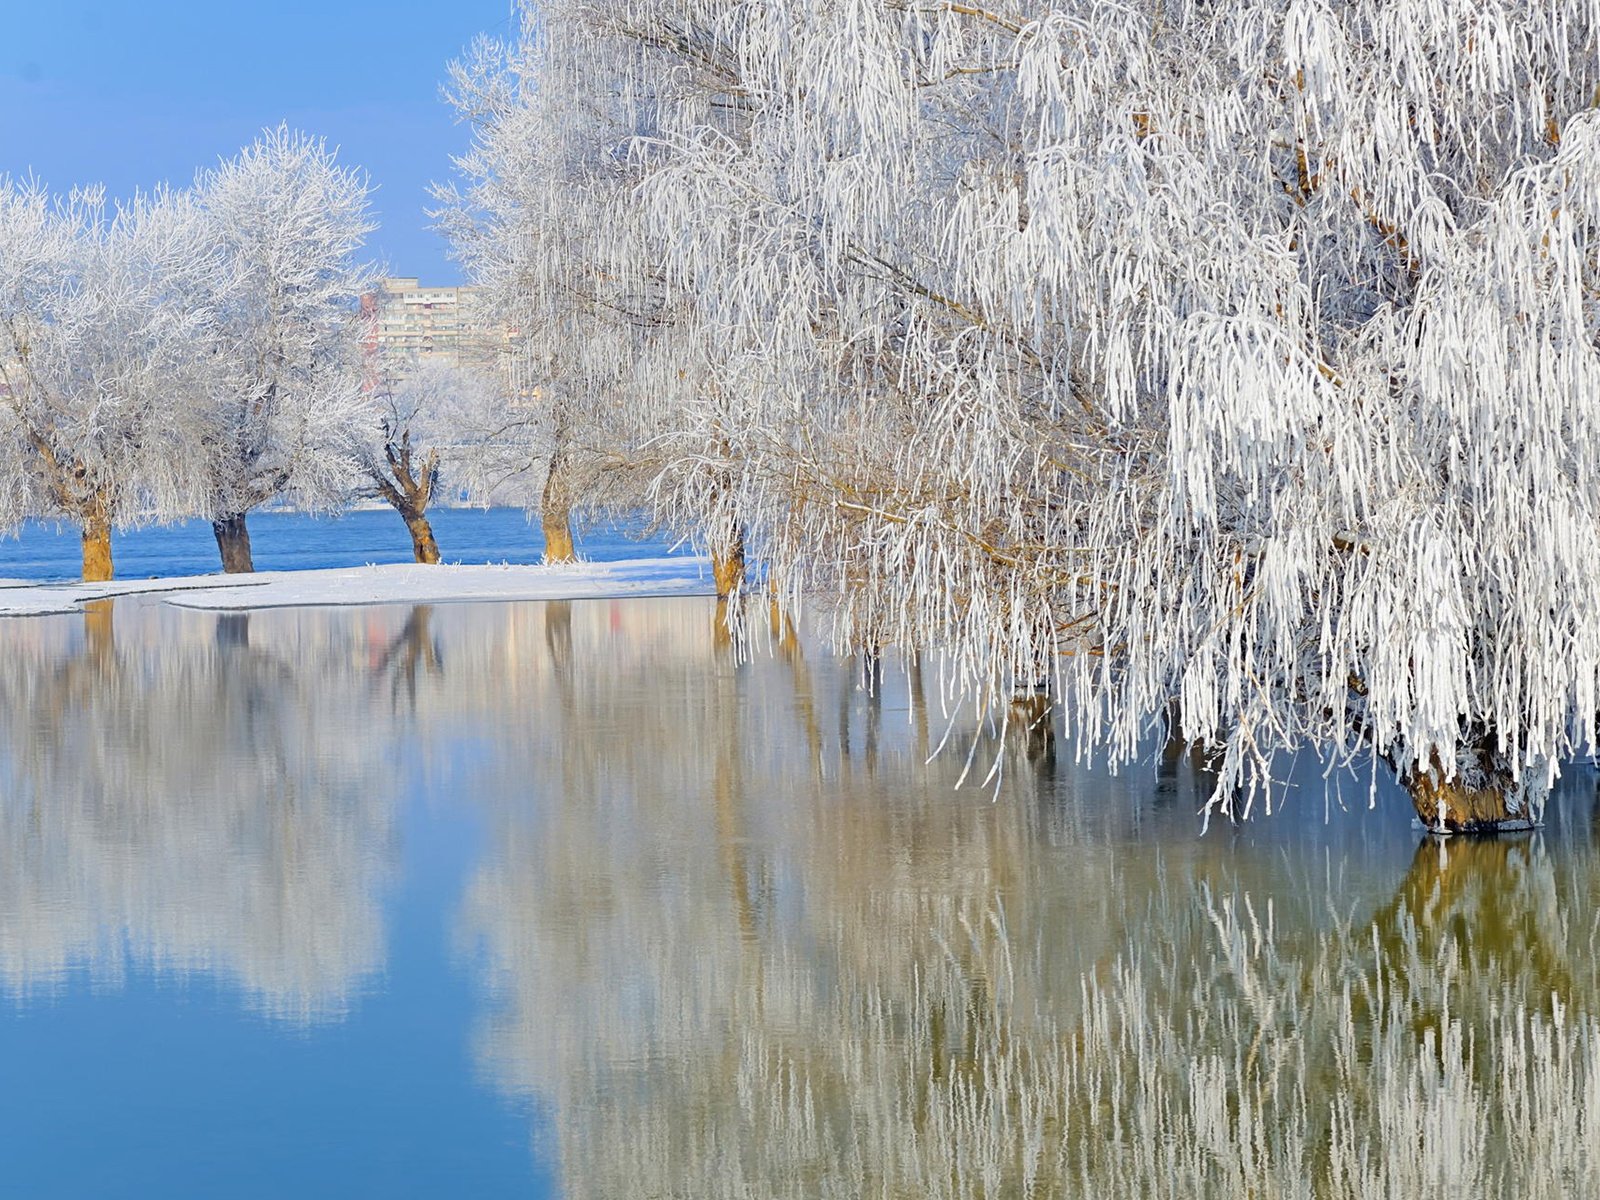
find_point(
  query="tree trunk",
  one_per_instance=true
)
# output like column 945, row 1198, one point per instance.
column 97, row 545
column 727, row 565
column 1030, row 719
column 233, row 541
column 423, row 546
column 557, row 526
column 1456, row 806
column 555, row 509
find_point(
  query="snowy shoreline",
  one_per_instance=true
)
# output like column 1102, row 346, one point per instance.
column 403, row 583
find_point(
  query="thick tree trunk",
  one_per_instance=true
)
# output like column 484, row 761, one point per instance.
column 97, row 546
column 555, row 508
column 1456, row 806
column 408, row 488
column 727, row 565
column 233, row 541
column 423, row 546
column 557, row 526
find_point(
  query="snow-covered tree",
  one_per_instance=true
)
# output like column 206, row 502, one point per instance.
column 98, row 336
column 287, row 343
column 546, row 227
column 429, row 424
column 1228, row 365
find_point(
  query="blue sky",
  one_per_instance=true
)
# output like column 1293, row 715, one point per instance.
column 130, row 93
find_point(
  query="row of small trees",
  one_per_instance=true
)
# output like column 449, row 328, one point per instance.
column 202, row 352
column 1229, row 367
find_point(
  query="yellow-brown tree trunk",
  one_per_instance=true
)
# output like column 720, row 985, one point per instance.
column 1452, row 806
column 558, row 544
column 555, row 507
column 423, row 546
column 97, row 545
column 727, row 565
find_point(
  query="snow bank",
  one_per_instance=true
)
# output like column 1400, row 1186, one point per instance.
column 407, row 583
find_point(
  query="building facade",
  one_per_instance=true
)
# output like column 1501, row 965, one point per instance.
column 414, row 326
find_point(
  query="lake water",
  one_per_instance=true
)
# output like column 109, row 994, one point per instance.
column 570, row 899
column 290, row 541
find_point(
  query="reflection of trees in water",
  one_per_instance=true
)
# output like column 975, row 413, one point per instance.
column 1446, row 1044
column 196, row 793
column 743, row 942
column 717, row 910
column 735, row 959
column 412, row 655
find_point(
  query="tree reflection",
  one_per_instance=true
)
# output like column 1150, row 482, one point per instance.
column 195, row 795
column 712, row 931
column 737, row 952
column 744, row 935
column 412, row 654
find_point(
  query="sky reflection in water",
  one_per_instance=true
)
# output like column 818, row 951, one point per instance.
column 572, row 899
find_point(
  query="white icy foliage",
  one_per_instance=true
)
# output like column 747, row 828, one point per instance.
column 546, row 226
column 287, row 336
column 1233, row 363
column 97, row 332
column 188, row 351
column 453, row 418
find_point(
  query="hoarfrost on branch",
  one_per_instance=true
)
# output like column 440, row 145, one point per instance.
column 1228, row 365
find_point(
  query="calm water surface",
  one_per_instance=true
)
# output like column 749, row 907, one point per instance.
column 569, row 899
column 291, row 541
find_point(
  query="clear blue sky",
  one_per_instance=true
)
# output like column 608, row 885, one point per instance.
column 130, row 93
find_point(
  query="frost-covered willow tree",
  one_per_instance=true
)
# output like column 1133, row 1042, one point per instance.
column 1229, row 366
column 97, row 333
column 545, row 223
column 287, row 332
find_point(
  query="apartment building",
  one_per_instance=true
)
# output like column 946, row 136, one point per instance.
column 414, row 325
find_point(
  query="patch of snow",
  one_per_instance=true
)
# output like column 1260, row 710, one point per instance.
column 403, row 583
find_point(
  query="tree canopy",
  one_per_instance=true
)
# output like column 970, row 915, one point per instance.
column 195, row 351
column 1229, row 365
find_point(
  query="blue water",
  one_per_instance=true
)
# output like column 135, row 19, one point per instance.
column 165, row 1086
column 288, row 541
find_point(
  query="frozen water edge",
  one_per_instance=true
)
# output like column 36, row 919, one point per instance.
column 404, row 583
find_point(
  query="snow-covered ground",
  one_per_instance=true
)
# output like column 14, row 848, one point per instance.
column 406, row 583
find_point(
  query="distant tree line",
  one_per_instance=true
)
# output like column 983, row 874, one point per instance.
column 202, row 353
